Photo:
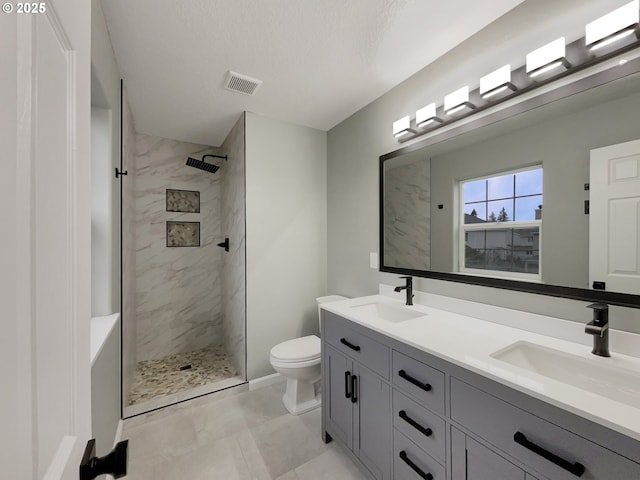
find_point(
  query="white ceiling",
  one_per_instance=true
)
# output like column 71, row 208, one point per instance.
column 320, row 60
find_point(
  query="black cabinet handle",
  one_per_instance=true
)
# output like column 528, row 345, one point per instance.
column 349, row 344
column 576, row 468
column 347, row 384
column 354, row 388
column 424, row 386
column 414, row 467
column 426, row 431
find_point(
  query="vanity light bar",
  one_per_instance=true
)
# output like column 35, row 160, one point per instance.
column 402, row 127
column 427, row 115
column 613, row 26
column 457, row 101
column 496, row 82
column 547, row 58
column 610, row 28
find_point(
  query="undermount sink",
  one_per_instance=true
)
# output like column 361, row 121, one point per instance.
column 387, row 311
column 595, row 375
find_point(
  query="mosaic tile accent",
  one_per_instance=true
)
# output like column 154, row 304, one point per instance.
column 183, row 234
column 183, row 201
column 156, row 378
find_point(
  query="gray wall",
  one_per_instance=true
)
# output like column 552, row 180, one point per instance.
column 562, row 146
column 178, row 304
column 353, row 148
column 105, row 94
column 234, row 261
column 286, row 234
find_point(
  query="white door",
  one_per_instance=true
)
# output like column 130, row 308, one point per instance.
column 46, row 237
column 614, row 217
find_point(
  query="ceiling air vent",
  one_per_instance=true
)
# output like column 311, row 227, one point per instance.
column 236, row 82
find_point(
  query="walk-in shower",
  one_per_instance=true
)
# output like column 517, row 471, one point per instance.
column 183, row 295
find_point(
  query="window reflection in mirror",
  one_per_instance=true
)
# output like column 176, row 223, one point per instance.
column 501, row 225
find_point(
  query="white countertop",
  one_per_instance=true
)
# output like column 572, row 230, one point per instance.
column 469, row 342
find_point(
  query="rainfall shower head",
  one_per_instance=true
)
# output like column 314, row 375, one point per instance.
column 202, row 165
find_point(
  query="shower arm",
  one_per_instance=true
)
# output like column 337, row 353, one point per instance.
column 214, row 156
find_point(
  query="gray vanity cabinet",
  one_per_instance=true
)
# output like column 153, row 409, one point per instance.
column 473, row 461
column 357, row 402
column 405, row 414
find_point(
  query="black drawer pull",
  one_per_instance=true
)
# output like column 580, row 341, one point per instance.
column 414, row 467
column 354, row 388
column 349, row 344
column 426, row 431
column 424, row 386
column 576, row 468
column 347, row 384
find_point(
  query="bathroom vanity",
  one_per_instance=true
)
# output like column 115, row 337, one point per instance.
column 414, row 392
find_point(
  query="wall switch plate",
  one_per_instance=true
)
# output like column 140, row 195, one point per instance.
column 373, row 260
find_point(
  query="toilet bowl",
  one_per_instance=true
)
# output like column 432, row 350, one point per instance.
column 298, row 360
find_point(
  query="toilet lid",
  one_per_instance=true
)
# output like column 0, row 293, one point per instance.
column 297, row 350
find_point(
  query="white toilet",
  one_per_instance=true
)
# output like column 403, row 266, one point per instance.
column 299, row 361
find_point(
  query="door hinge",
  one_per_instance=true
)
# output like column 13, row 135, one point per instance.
column 114, row 463
column 586, row 207
column 599, row 285
column 119, row 173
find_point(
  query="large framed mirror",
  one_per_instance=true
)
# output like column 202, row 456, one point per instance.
column 521, row 196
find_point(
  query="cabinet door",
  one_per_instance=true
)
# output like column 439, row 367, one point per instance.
column 372, row 424
column 473, row 461
column 339, row 410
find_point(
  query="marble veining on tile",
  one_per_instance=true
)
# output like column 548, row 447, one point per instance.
column 178, row 304
column 407, row 214
column 155, row 378
column 233, row 263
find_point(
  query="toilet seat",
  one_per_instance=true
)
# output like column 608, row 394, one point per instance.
column 303, row 350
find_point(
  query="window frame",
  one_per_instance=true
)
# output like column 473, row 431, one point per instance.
column 463, row 229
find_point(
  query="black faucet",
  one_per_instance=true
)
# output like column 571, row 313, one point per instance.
column 409, row 288
column 599, row 328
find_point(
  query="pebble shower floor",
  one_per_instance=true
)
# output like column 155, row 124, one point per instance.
column 156, row 378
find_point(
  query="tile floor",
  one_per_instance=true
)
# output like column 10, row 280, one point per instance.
column 248, row 435
column 157, row 378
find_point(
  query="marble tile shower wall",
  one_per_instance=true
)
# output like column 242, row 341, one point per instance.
column 128, row 249
column 178, row 289
column 407, row 216
column 233, row 266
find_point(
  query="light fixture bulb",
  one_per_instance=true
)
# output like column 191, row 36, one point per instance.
column 457, row 101
column 427, row 115
column 496, row 82
column 402, row 127
column 547, row 58
column 613, row 26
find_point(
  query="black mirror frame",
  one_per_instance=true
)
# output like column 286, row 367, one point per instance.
column 587, row 295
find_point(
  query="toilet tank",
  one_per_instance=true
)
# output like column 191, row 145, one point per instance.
column 327, row 299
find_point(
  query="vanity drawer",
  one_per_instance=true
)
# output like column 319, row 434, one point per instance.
column 537, row 441
column 423, row 427
column 421, row 381
column 409, row 460
column 370, row 353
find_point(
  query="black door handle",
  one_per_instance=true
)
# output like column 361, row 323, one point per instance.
column 354, row 388
column 426, row 431
column 349, row 344
column 414, row 467
column 575, row 468
column 114, row 463
column 424, row 386
column 347, row 384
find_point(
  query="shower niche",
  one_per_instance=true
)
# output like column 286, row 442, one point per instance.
column 183, row 308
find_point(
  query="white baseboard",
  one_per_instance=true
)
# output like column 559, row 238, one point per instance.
column 265, row 381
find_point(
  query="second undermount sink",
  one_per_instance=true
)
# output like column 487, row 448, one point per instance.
column 597, row 375
column 388, row 311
